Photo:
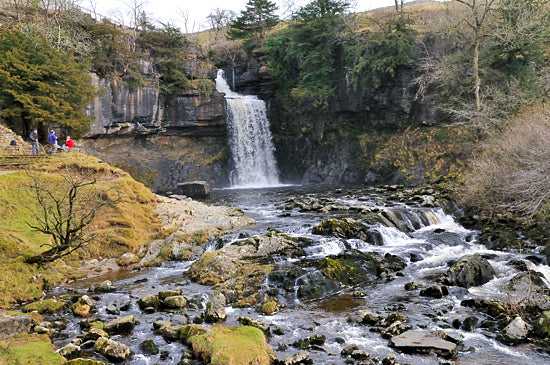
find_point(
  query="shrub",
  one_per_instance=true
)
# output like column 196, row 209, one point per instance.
column 512, row 175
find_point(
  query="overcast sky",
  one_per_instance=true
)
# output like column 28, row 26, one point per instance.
column 170, row 11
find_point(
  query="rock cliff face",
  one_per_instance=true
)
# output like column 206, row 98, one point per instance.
column 160, row 141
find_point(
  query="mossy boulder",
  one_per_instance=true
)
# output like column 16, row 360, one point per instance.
column 244, row 345
column 469, row 271
column 29, row 349
column 268, row 307
column 149, row 301
column 113, row 350
column 120, row 325
column 14, row 324
column 175, row 302
column 149, row 347
column 93, row 334
column 169, row 293
column 81, row 310
column 345, row 270
column 342, row 227
column 541, row 326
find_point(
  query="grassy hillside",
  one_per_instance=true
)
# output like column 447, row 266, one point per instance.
column 125, row 227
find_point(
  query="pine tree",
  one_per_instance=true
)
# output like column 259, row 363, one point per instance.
column 255, row 20
column 40, row 85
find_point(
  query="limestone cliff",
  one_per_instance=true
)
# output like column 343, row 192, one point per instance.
column 160, row 140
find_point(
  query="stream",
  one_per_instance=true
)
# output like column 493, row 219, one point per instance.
column 430, row 239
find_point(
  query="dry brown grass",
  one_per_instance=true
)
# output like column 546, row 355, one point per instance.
column 512, row 175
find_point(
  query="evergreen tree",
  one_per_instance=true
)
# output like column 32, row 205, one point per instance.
column 304, row 59
column 386, row 52
column 255, row 20
column 40, row 85
column 166, row 45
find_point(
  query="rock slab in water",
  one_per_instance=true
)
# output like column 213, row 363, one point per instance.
column 194, row 189
column 422, row 342
column 301, row 358
column 120, row 325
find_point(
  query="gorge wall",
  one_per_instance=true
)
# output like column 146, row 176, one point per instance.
column 164, row 141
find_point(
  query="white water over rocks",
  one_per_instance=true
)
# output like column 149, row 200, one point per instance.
column 249, row 139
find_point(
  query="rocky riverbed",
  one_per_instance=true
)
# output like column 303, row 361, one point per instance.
column 364, row 276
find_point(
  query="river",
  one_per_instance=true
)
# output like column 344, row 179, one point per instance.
column 428, row 240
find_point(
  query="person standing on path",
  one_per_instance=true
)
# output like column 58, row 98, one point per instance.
column 52, row 139
column 34, row 142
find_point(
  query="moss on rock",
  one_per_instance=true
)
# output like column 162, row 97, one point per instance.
column 49, row 306
column 225, row 345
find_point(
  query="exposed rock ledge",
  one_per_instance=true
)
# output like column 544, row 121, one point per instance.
column 188, row 216
column 180, row 217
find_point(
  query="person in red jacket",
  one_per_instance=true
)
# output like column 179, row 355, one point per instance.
column 69, row 143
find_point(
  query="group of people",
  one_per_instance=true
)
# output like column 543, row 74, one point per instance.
column 52, row 140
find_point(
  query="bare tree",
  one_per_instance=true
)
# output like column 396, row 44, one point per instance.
column 66, row 206
column 184, row 13
column 219, row 19
column 478, row 20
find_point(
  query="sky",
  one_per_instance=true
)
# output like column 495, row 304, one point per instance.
column 171, row 11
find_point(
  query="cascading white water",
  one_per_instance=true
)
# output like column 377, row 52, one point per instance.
column 249, row 139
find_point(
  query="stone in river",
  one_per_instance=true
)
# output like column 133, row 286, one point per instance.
column 194, row 189
column 423, row 342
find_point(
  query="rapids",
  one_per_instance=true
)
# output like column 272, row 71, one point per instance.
column 429, row 235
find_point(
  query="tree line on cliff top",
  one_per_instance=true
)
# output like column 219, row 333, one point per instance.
column 494, row 62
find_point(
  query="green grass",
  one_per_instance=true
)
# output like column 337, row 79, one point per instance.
column 50, row 306
column 29, row 349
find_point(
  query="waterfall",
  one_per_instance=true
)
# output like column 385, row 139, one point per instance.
column 249, row 139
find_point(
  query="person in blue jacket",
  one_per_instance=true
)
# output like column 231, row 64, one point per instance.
column 52, row 139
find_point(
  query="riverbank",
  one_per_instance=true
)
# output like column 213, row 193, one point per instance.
column 144, row 230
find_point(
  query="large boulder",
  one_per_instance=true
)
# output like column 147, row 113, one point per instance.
column 194, row 189
column 113, row 350
column 13, row 325
column 244, row 266
column 175, row 302
column 343, row 228
column 420, row 342
column 215, row 309
column 542, row 325
column 334, row 274
column 242, row 345
column 470, row 270
column 149, row 301
column 515, row 332
column 70, row 351
column 120, row 325
column 530, row 289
